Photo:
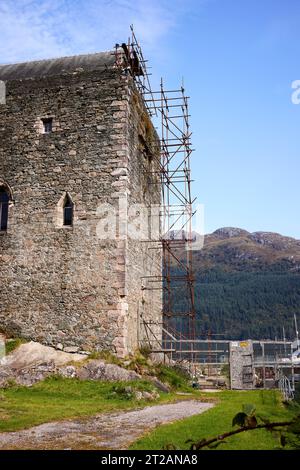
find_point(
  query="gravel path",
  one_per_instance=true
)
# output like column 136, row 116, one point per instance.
column 107, row 431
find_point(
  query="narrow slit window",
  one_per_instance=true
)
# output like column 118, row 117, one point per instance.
column 4, row 202
column 68, row 211
column 47, row 125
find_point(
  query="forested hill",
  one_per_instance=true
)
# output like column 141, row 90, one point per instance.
column 247, row 284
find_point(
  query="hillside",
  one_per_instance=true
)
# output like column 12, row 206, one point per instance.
column 247, row 284
column 235, row 249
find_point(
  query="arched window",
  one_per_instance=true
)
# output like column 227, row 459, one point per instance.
column 68, row 209
column 4, row 201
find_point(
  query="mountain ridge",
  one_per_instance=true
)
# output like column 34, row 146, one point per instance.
column 238, row 249
column 247, row 285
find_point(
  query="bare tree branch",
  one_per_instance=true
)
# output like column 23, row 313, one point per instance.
column 221, row 437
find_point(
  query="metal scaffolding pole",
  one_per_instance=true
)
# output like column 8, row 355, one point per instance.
column 175, row 241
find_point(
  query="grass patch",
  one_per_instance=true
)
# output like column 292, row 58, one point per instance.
column 58, row 398
column 12, row 344
column 175, row 377
column 219, row 420
column 106, row 356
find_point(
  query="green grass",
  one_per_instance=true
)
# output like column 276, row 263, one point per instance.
column 219, row 420
column 58, row 398
column 106, row 356
column 176, row 378
column 13, row 344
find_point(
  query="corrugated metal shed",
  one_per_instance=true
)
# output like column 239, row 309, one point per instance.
column 51, row 67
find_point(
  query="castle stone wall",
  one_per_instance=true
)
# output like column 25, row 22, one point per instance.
column 68, row 286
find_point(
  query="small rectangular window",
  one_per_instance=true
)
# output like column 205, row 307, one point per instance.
column 4, row 200
column 68, row 211
column 68, row 216
column 47, row 125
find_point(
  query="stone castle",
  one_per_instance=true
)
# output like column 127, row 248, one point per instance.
column 75, row 139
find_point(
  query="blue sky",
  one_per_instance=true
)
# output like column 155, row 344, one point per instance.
column 238, row 58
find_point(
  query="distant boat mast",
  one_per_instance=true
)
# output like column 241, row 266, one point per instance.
column 284, row 340
column 297, row 333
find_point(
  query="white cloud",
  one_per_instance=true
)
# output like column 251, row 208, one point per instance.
column 34, row 29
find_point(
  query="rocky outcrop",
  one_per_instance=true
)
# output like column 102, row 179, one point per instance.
column 240, row 250
column 27, row 375
column 159, row 385
column 99, row 370
column 33, row 362
column 33, row 354
column 230, row 232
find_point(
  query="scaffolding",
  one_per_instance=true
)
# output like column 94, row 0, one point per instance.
column 181, row 342
column 177, row 205
column 169, row 109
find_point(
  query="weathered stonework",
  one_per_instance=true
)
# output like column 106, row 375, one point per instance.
column 63, row 285
column 241, row 365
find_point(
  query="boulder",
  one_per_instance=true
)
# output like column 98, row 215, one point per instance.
column 98, row 370
column 33, row 362
column 71, row 349
column 159, row 385
column 30, row 375
column 138, row 395
column 6, row 374
column 32, row 354
column 68, row 372
column 150, row 396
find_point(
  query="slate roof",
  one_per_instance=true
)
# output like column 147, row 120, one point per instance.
column 51, row 67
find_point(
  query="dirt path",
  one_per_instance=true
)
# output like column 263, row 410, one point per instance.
column 108, row 431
